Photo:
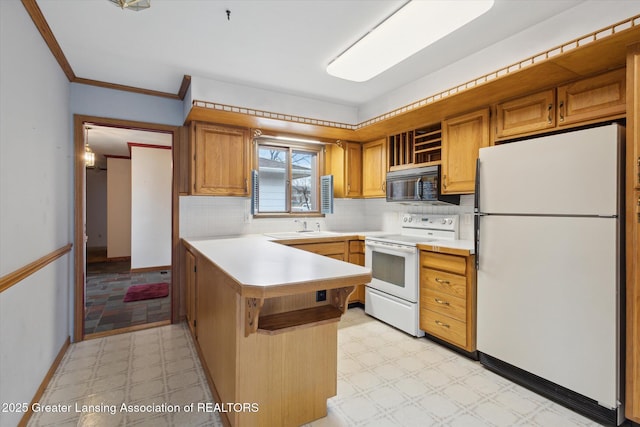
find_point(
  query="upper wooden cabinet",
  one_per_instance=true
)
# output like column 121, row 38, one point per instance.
column 345, row 164
column 374, row 168
column 220, row 165
column 578, row 103
column 462, row 138
column 527, row 114
column 592, row 98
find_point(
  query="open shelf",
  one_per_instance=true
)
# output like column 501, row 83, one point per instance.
column 283, row 322
column 417, row 147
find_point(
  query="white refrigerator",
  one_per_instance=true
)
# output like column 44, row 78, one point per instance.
column 549, row 264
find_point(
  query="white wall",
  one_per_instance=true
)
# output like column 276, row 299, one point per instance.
column 117, row 104
column 118, row 207
column 96, row 208
column 150, row 207
column 35, row 205
column 203, row 89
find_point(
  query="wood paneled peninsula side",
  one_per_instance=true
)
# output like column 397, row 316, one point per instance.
column 268, row 347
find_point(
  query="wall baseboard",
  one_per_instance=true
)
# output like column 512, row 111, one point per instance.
column 45, row 382
column 147, row 269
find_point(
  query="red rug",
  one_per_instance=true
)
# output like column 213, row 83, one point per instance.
column 146, row 291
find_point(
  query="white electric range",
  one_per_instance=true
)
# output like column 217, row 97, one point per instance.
column 393, row 294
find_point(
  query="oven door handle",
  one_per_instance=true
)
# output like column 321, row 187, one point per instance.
column 391, row 247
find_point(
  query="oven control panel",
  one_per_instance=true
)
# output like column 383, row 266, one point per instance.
column 434, row 222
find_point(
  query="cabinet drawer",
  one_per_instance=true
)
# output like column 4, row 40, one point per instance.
column 444, row 304
column 451, row 263
column 329, row 248
column 440, row 281
column 441, row 326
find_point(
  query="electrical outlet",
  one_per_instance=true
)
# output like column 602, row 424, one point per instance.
column 321, row 295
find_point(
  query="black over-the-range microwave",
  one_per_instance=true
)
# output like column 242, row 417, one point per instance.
column 418, row 185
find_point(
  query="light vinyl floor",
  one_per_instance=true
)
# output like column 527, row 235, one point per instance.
column 385, row 378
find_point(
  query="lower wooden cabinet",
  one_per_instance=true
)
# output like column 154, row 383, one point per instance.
column 356, row 256
column 351, row 251
column 448, row 298
column 190, row 290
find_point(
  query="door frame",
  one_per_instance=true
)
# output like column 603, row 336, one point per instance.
column 79, row 199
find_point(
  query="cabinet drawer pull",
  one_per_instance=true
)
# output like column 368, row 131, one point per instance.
column 439, row 301
column 442, row 281
column 562, row 111
column 444, row 325
column 549, row 108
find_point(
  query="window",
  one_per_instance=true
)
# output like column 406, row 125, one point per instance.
column 288, row 178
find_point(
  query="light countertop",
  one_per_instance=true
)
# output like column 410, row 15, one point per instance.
column 262, row 268
column 456, row 247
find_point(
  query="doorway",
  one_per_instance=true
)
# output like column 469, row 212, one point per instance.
column 113, row 280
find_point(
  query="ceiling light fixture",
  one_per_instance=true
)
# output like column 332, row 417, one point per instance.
column 414, row 26
column 136, row 5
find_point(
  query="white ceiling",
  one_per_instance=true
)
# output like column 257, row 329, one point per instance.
column 281, row 45
column 278, row 45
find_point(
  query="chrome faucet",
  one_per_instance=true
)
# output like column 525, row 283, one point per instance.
column 304, row 224
column 318, row 227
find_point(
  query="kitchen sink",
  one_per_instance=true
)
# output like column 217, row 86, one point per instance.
column 303, row 234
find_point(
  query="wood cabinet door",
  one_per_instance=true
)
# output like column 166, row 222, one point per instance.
column 353, row 169
column 374, row 168
column 462, row 138
column 592, row 98
column 530, row 113
column 221, row 160
column 190, row 290
column 632, row 380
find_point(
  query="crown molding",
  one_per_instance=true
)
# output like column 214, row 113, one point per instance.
column 41, row 24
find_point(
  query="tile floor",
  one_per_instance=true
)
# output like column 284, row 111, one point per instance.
column 385, row 378
column 107, row 283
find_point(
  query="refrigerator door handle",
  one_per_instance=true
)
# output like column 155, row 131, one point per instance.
column 476, row 217
column 476, row 200
column 476, row 225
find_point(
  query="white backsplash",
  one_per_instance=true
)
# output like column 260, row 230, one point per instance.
column 202, row 216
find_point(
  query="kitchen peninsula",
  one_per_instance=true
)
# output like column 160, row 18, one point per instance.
column 267, row 345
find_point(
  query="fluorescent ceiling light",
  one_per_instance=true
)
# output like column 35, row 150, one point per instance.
column 414, row 26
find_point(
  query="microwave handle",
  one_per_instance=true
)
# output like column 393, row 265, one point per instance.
column 418, row 195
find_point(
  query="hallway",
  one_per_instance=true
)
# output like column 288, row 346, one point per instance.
column 107, row 284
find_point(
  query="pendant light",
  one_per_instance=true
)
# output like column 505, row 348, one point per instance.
column 89, row 155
